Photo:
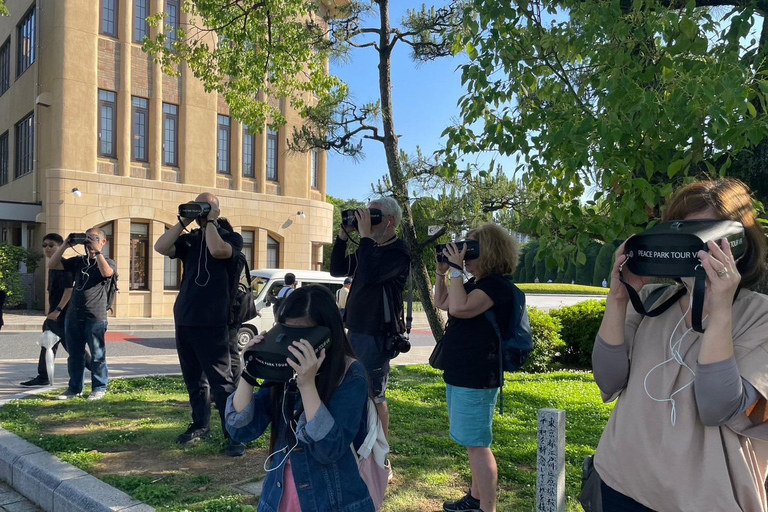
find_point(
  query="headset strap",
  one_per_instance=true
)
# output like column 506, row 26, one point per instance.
column 699, row 287
column 641, row 308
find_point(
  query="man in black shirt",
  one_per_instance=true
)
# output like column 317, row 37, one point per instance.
column 86, row 321
column 374, row 306
column 201, row 314
column 59, row 293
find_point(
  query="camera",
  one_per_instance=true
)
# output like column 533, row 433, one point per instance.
column 348, row 217
column 396, row 344
column 77, row 239
column 194, row 210
column 473, row 250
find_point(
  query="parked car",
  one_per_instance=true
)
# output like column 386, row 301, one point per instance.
column 266, row 284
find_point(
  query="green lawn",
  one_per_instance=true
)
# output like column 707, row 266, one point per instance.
column 127, row 440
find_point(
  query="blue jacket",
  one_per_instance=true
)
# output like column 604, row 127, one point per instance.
column 323, row 465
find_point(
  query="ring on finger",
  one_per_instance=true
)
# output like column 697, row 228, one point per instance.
column 723, row 271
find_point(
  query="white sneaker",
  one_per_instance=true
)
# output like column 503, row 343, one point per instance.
column 96, row 395
column 68, row 394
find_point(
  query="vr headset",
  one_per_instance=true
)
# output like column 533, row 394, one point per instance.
column 77, row 239
column 473, row 250
column 194, row 210
column 267, row 360
column 670, row 250
column 348, row 217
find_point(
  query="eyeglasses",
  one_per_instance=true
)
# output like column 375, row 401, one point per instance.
column 49, row 245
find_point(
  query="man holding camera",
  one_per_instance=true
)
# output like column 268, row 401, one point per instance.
column 201, row 312
column 374, row 307
column 86, row 321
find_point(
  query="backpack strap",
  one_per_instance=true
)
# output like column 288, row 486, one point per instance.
column 491, row 316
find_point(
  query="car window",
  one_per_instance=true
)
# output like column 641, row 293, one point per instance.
column 274, row 290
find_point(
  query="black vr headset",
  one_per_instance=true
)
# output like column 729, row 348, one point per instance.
column 473, row 250
column 194, row 210
column 267, row 360
column 670, row 250
column 348, row 217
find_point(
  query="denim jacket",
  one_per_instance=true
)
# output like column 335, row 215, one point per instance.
column 323, row 465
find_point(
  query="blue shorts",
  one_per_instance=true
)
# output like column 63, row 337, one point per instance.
column 369, row 350
column 470, row 413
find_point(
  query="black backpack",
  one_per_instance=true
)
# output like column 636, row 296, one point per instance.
column 112, row 290
column 243, row 306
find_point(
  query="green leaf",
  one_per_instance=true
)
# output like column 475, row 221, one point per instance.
column 471, row 51
column 674, row 168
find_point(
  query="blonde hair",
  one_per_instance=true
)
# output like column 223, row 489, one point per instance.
column 499, row 251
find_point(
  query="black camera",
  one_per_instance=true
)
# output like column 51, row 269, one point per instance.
column 348, row 217
column 396, row 344
column 77, row 239
column 473, row 250
column 194, row 210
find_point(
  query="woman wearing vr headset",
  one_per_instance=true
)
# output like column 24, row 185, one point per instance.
column 470, row 353
column 689, row 430
column 314, row 417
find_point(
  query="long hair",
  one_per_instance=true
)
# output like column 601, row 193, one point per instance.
column 499, row 251
column 730, row 199
column 317, row 304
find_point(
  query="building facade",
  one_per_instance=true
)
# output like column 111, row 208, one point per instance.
column 93, row 133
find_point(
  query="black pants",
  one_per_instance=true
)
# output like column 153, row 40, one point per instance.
column 235, row 358
column 56, row 328
column 205, row 366
column 614, row 501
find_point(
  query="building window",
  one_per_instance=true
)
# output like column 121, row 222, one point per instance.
column 170, row 134
column 25, row 42
column 273, row 253
column 271, row 154
column 313, row 178
column 140, row 114
column 222, row 165
column 5, row 67
column 172, row 20
column 171, row 274
column 139, row 256
column 109, row 17
column 109, row 234
column 4, row 158
column 25, row 139
column 249, row 152
column 140, row 26
column 248, row 245
column 107, row 123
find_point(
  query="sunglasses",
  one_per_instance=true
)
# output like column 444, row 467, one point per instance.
column 52, row 246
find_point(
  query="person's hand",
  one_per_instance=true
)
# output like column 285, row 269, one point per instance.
column 723, row 277
column 308, row 363
column 455, row 255
column 363, row 216
column 442, row 266
column 344, row 232
column 618, row 291
column 254, row 341
column 53, row 315
column 214, row 213
column 91, row 245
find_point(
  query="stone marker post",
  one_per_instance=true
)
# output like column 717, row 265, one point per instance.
column 550, row 477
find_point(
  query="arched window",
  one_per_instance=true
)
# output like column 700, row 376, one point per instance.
column 273, row 253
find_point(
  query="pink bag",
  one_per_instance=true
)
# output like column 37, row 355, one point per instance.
column 372, row 458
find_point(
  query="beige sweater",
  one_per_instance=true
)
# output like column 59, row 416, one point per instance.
column 689, row 466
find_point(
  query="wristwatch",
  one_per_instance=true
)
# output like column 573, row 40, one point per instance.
column 455, row 273
column 97, row 253
column 59, row 309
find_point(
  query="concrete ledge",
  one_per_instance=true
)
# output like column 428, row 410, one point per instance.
column 38, row 475
column 11, row 448
column 89, row 494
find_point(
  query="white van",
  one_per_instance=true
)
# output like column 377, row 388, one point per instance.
column 266, row 284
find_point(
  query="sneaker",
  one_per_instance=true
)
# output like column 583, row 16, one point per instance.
column 465, row 504
column 235, row 449
column 96, row 395
column 388, row 466
column 193, row 434
column 37, row 381
column 68, row 394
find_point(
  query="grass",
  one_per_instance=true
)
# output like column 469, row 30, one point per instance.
column 126, row 439
column 562, row 289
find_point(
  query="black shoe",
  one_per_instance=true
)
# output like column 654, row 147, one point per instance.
column 193, row 434
column 37, row 381
column 235, row 449
column 465, row 504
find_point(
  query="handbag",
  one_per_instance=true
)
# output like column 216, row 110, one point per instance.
column 590, row 497
column 436, row 358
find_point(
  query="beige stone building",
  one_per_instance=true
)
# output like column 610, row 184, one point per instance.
column 92, row 133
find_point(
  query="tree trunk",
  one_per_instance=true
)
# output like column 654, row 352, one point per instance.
column 399, row 184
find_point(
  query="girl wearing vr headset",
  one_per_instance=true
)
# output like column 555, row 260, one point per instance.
column 314, row 417
column 689, row 430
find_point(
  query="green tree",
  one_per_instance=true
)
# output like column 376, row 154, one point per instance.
column 603, row 265
column 616, row 101
column 10, row 277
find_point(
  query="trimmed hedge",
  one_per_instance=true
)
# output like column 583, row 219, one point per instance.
column 580, row 324
column 564, row 289
column 547, row 343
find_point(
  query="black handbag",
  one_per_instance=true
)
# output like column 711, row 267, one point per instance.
column 590, row 497
column 436, row 358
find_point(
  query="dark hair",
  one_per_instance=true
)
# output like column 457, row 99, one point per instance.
column 290, row 279
column 224, row 224
column 730, row 199
column 317, row 304
column 54, row 237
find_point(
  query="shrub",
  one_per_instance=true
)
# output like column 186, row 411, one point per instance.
column 580, row 324
column 547, row 343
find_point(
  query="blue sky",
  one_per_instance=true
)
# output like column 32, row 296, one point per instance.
column 424, row 97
